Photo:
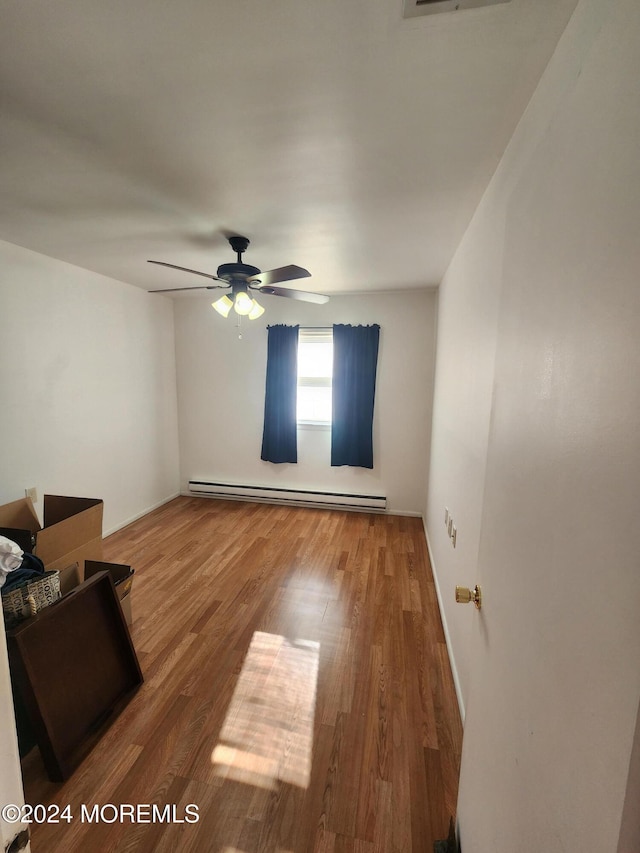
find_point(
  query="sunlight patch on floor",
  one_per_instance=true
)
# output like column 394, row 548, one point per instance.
column 267, row 736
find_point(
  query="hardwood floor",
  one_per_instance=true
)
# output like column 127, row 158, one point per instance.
column 297, row 689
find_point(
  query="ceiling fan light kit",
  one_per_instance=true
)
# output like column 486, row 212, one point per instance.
column 243, row 304
column 223, row 305
column 256, row 311
column 243, row 279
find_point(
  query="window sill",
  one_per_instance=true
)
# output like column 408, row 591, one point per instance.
column 313, row 425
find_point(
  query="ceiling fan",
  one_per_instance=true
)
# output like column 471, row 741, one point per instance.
column 244, row 280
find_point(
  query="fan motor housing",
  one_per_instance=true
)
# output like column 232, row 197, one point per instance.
column 229, row 272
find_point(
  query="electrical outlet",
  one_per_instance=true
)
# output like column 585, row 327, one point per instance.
column 454, row 534
column 31, row 493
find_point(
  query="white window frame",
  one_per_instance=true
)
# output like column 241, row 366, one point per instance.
column 318, row 335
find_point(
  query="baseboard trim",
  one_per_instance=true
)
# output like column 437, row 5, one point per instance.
column 409, row 513
column 140, row 514
column 445, row 627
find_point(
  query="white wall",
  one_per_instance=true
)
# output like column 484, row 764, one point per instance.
column 535, row 452
column 87, row 383
column 465, row 359
column 88, row 407
column 10, row 773
column 221, row 382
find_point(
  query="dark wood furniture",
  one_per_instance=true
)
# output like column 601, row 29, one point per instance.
column 75, row 668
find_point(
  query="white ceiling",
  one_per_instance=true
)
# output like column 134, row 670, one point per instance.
column 335, row 134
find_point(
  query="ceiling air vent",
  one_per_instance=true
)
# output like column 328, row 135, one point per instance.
column 414, row 8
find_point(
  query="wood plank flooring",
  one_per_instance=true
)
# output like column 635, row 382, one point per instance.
column 297, row 690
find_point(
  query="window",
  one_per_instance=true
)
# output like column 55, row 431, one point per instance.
column 315, row 369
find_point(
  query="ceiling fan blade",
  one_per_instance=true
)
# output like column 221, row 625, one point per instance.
column 178, row 289
column 186, row 269
column 280, row 274
column 301, row 295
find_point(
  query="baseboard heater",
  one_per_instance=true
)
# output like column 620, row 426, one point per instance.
column 303, row 497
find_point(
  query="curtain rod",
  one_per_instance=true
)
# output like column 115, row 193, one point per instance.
column 330, row 328
column 323, row 328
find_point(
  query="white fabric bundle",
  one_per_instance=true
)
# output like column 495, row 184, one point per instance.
column 10, row 558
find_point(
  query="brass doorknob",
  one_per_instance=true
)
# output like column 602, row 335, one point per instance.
column 464, row 595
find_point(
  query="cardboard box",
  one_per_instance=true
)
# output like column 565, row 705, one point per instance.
column 122, row 577
column 71, row 534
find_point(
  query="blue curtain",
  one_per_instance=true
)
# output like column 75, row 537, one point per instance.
column 279, row 437
column 355, row 359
